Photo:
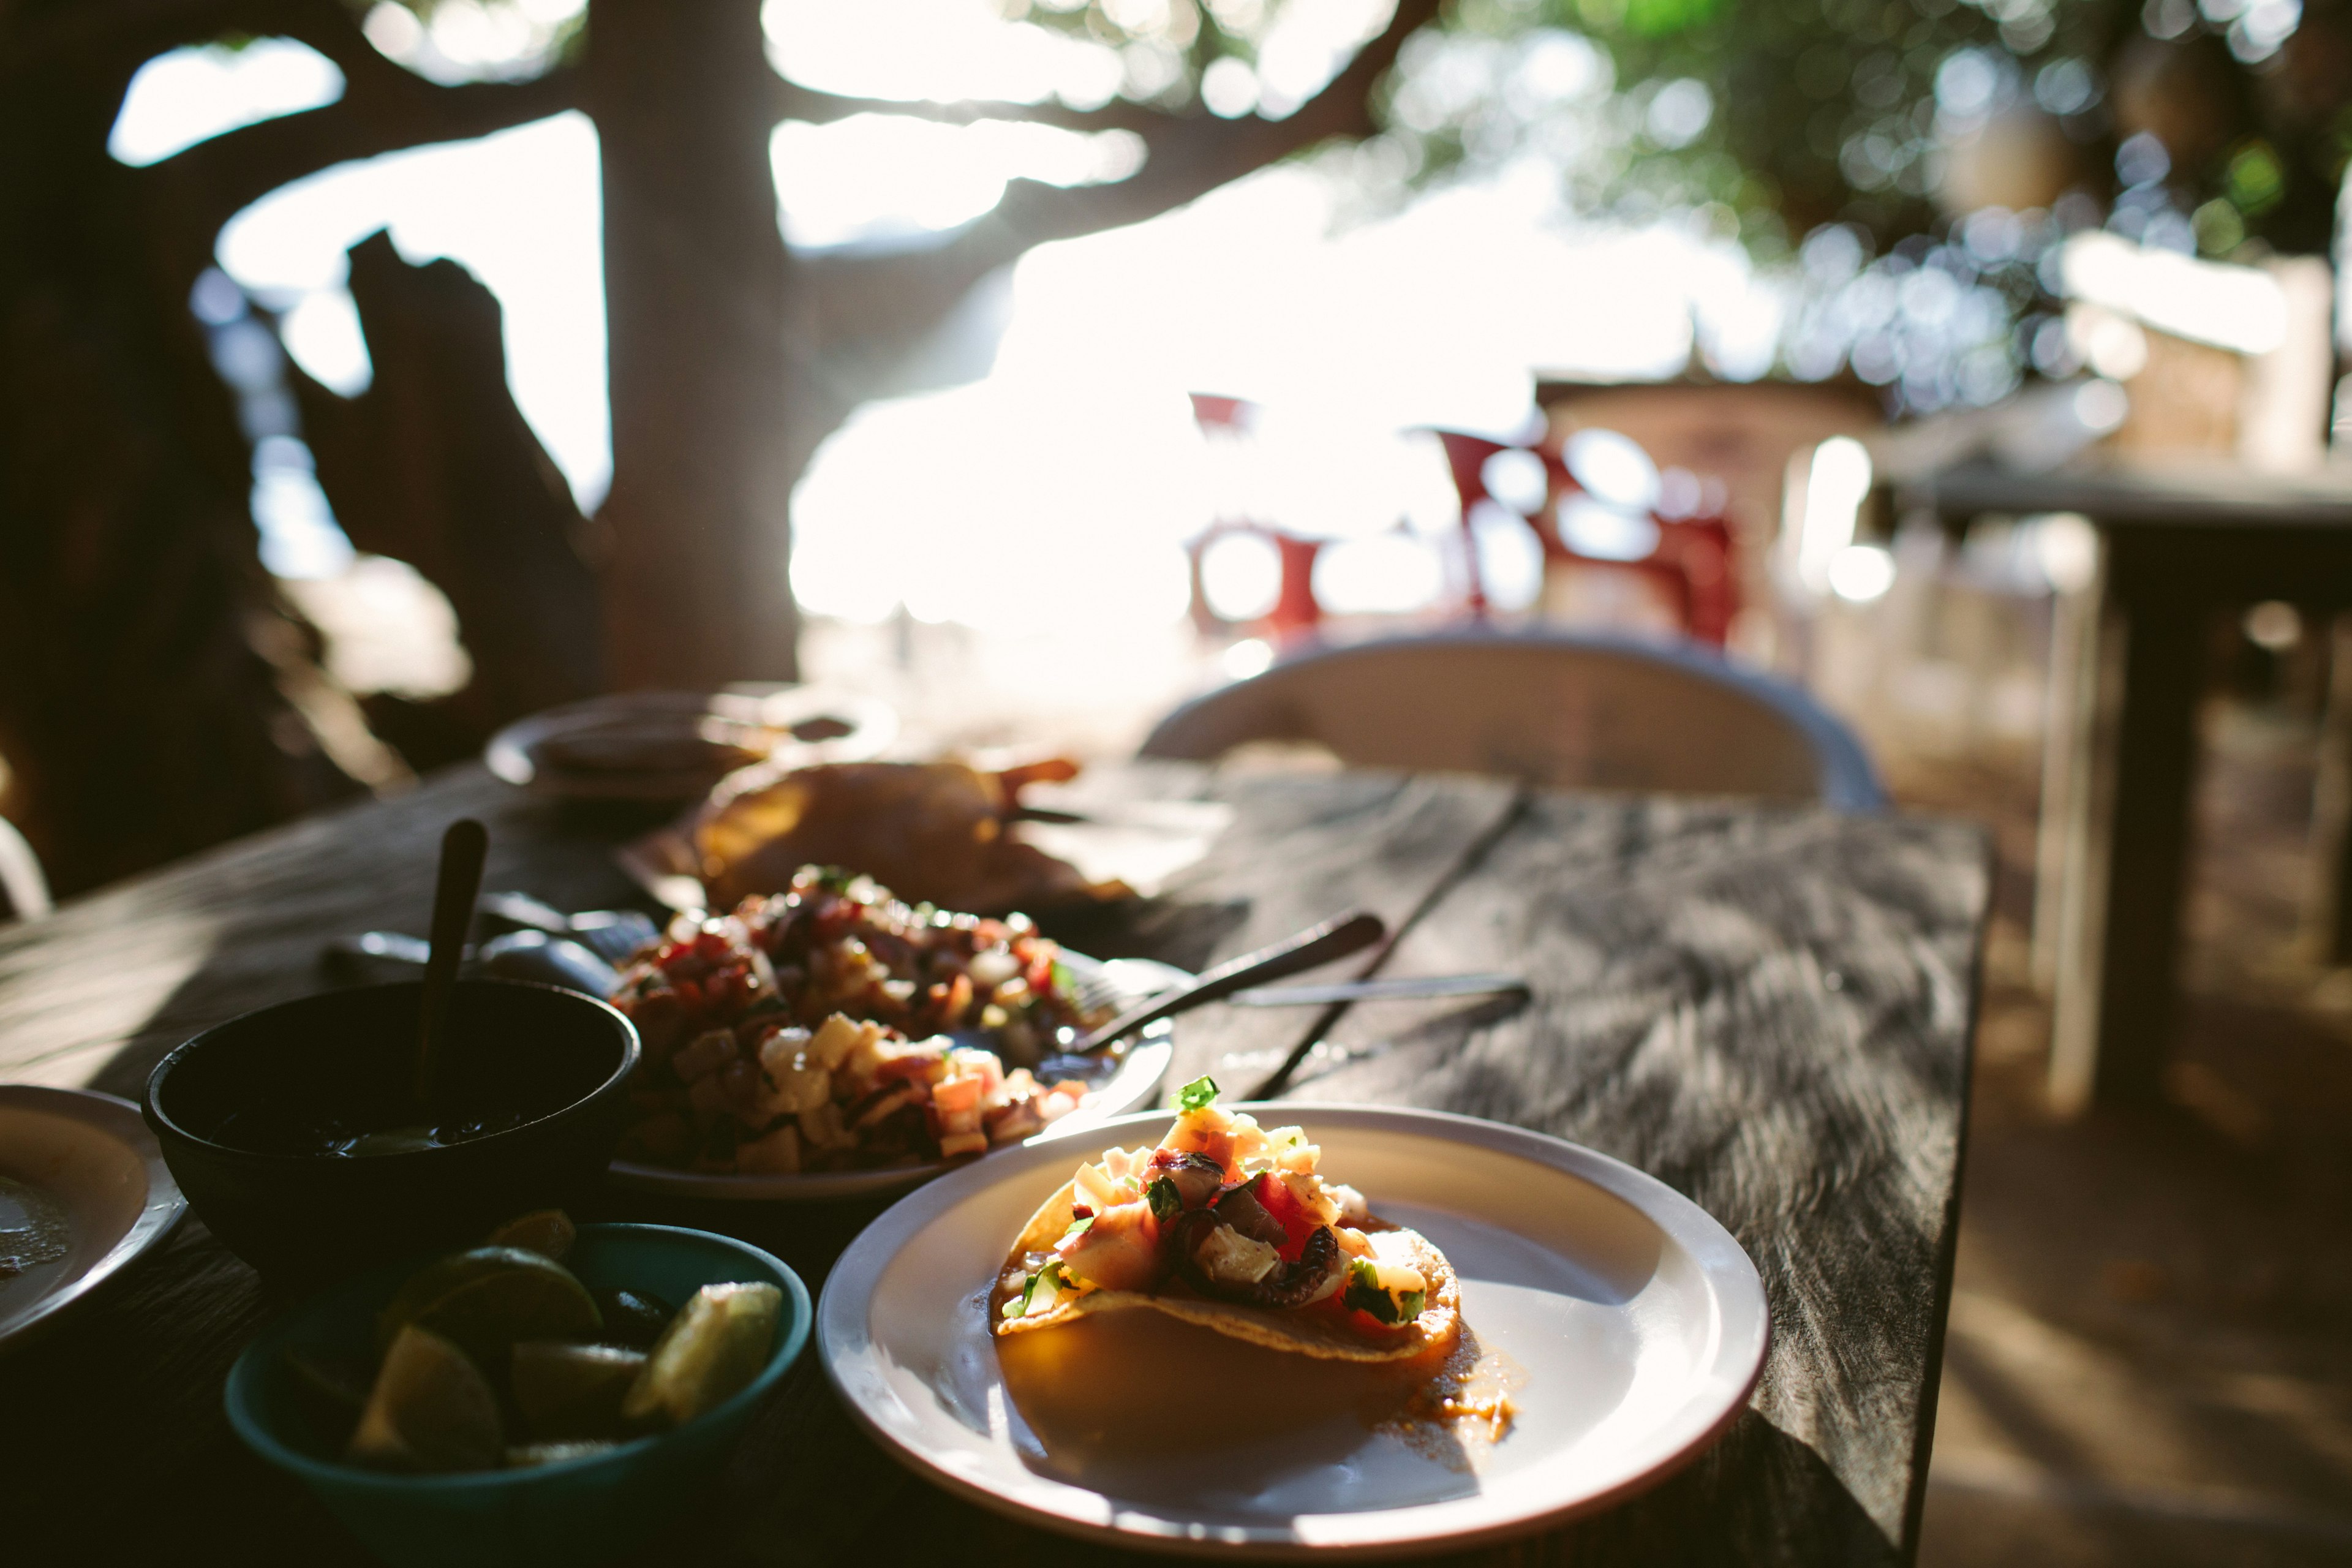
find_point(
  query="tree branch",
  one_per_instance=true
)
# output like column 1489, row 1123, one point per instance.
column 865, row 311
column 793, row 101
column 210, row 183
column 87, row 33
column 1186, row 157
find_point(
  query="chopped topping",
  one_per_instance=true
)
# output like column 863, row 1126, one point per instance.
column 1196, row 1095
column 1041, row 1293
column 833, row 1010
column 1227, row 1210
column 1229, row 1256
column 1386, row 1291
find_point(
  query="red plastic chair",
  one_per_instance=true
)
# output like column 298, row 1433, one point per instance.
column 1690, row 565
column 1296, row 612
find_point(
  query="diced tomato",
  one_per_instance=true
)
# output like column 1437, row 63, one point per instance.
column 1041, row 971
column 957, row 1094
column 1298, row 1224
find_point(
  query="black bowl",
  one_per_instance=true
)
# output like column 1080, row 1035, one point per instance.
column 239, row 1111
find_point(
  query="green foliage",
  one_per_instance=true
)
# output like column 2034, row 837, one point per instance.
column 2253, row 180
column 1665, row 18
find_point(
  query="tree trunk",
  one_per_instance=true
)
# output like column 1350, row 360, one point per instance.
column 141, row 715
column 697, row 546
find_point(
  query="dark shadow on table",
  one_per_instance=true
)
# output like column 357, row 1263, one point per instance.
column 808, row 1487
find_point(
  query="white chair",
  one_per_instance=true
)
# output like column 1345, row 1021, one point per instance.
column 24, row 891
column 1553, row 709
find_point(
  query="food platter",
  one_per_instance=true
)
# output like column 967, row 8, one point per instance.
column 1113, row 983
column 1629, row 1325
column 83, row 1191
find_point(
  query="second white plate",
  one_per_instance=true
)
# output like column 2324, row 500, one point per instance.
column 1632, row 1323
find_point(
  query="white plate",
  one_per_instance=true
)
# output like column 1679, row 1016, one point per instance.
column 1120, row 982
column 1638, row 1322
column 92, row 1166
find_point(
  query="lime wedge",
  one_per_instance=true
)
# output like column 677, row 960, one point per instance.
column 711, row 1351
column 548, row 1232
column 487, row 1299
column 431, row 1409
column 572, row 1391
column 534, row 1454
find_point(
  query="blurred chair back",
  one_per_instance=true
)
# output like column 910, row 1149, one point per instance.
column 24, row 891
column 1554, row 709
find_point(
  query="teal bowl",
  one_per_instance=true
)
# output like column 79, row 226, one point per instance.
column 564, row 1516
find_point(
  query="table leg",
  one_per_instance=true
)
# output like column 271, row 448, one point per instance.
column 2330, row 905
column 2072, row 695
column 2126, row 851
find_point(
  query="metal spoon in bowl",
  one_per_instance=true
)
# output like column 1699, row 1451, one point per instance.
column 463, row 850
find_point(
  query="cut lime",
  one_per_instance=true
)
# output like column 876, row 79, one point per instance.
column 487, row 1299
column 548, row 1232
column 572, row 1391
column 711, row 1350
column 431, row 1409
column 529, row 1455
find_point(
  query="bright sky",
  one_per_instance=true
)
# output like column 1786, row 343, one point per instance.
column 1073, row 467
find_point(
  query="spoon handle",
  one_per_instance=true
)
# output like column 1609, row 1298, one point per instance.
column 1319, row 944
column 463, row 848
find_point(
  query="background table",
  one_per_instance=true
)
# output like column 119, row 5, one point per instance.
column 1767, row 1008
column 2131, row 657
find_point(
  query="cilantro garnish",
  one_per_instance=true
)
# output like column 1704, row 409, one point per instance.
column 1197, row 1094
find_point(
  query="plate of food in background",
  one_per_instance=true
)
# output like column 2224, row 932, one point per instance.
column 659, row 746
column 834, row 1041
column 942, row 833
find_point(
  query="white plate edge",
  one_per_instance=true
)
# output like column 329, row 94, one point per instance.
column 158, row 1216
column 1736, row 1350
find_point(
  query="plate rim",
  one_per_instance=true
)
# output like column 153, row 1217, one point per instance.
column 842, row 1187
column 1712, row 1246
column 113, row 1117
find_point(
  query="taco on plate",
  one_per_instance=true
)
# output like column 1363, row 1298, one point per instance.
column 1230, row 1225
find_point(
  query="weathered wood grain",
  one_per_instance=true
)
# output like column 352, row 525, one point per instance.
column 1767, row 1008
column 1301, row 849
column 93, row 995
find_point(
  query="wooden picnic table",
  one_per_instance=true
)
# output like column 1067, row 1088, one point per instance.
column 1768, row 1007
